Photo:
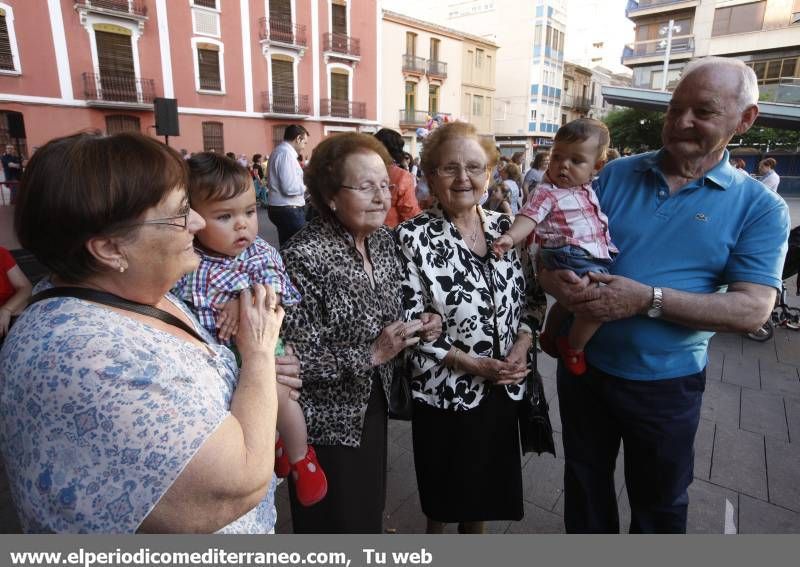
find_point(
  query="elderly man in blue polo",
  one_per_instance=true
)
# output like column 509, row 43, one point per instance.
column 701, row 250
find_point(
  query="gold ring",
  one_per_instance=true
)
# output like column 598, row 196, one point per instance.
column 402, row 333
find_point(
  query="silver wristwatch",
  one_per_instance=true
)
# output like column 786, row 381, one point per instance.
column 654, row 312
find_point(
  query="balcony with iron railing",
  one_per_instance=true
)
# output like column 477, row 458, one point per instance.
column 413, row 64
column 130, row 8
column 410, row 118
column 785, row 90
column 682, row 48
column 342, row 108
column 580, row 104
column 282, row 31
column 273, row 103
column 646, row 7
column 341, row 45
column 437, row 69
column 104, row 89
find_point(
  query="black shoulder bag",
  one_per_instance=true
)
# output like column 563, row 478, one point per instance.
column 535, row 429
column 116, row 301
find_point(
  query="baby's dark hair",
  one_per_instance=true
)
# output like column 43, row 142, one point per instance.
column 213, row 177
column 581, row 130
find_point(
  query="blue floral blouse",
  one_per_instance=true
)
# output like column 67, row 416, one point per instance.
column 100, row 413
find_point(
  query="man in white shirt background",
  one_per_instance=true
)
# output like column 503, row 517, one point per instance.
column 286, row 207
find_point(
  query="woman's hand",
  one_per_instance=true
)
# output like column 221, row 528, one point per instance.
column 431, row 327
column 5, row 321
column 519, row 351
column 394, row 338
column 287, row 368
column 260, row 318
column 499, row 372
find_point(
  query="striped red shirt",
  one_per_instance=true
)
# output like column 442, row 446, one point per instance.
column 569, row 216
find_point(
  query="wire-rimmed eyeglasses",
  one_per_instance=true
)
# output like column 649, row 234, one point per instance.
column 368, row 188
column 455, row 169
column 178, row 221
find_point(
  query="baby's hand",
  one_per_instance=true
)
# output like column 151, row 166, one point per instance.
column 502, row 245
column 228, row 320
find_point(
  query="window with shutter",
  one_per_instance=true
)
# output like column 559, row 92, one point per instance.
column 206, row 3
column 339, row 18
column 115, row 63
column 6, row 56
column 283, row 86
column 433, row 100
column 212, row 137
column 116, row 123
column 280, row 20
column 208, row 67
column 339, row 86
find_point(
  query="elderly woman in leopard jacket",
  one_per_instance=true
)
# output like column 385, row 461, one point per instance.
column 349, row 330
column 466, row 384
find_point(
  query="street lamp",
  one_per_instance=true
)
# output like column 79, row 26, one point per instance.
column 666, row 44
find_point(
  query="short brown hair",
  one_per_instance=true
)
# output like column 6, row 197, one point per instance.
column 581, row 130
column 85, row 185
column 432, row 148
column 323, row 175
column 769, row 162
column 216, row 178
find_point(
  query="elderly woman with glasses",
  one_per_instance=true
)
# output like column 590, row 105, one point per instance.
column 466, row 384
column 349, row 330
column 119, row 412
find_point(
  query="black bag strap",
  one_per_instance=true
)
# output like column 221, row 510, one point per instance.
column 116, row 301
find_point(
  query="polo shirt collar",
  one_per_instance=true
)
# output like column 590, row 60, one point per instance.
column 721, row 176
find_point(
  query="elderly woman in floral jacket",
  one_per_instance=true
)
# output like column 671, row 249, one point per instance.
column 466, row 384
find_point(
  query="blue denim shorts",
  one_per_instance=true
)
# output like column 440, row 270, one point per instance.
column 573, row 258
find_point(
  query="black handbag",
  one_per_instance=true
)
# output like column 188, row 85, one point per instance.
column 535, row 429
column 401, row 405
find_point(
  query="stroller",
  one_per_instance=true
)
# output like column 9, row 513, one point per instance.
column 783, row 315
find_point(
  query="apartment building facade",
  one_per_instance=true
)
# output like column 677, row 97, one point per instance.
column 530, row 66
column 433, row 73
column 241, row 70
column 765, row 34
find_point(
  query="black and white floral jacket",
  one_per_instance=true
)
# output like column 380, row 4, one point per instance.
column 445, row 277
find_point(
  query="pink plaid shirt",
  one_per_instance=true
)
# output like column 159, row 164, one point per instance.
column 570, row 216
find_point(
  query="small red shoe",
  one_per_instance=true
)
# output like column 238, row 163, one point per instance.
column 282, row 465
column 310, row 482
column 547, row 345
column 573, row 359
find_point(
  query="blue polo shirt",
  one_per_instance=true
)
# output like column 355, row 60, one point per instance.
column 722, row 228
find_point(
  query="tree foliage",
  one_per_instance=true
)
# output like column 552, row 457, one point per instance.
column 634, row 129
column 640, row 130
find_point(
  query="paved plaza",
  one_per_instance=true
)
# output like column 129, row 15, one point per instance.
column 747, row 461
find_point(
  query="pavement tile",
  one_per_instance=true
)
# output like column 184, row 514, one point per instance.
column 755, row 350
column 721, row 403
column 398, row 428
column 402, row 479
column 739, row 461
column 543, row 480
column 707, row 506
column 793, row 415
column 404, row 440
column 546, row 365
column 759, row 517
column 764, row 412
column 395, row 451
column 703, row 449
column 537, row 521
column 780, row 378
column 787, row 344
column 743, row 371
column 728, row 343
column 783, row 473
column 716, row 359
column 407, row 518
column 551, row 395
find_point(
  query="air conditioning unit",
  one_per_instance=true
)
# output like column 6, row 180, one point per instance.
column 206, row 23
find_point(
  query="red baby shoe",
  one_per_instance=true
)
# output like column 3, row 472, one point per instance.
column 310, row 482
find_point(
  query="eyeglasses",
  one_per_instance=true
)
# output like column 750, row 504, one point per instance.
column 368, row 188
column 454, row 169
column 179, row 221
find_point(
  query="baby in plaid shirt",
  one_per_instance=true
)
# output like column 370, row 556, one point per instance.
column 564, row 214
column 232, row 258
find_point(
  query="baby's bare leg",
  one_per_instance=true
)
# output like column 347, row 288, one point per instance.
column 581, row 331
column 291, row 425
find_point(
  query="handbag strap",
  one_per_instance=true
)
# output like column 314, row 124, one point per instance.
column 116, row 301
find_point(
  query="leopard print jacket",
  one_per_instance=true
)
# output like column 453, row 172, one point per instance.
column 332, row 329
